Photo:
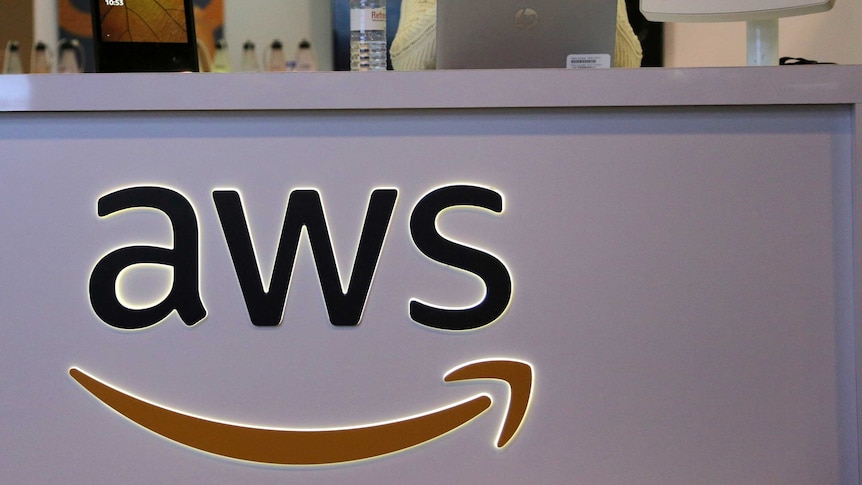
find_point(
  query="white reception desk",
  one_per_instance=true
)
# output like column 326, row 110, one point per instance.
column 681, row 246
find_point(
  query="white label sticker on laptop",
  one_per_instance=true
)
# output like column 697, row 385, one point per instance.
column 588, row 61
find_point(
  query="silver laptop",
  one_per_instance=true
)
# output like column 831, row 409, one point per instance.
column 497, row 34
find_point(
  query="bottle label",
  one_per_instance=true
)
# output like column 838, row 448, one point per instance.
column 363, row 19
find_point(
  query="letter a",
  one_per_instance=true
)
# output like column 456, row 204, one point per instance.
column 184, row 296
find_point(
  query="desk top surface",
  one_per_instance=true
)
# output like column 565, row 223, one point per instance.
column 786, row 85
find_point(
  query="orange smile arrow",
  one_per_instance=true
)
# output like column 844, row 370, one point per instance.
column 328, row 446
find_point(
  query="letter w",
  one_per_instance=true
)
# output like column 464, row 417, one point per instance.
column 304, row 209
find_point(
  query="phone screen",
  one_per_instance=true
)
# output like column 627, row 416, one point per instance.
column 144, row 35
column 154, row 21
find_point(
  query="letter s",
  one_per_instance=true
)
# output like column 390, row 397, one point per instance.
column 498, row 282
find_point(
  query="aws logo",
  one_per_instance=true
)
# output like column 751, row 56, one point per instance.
column 296, row 446
column 304, row 211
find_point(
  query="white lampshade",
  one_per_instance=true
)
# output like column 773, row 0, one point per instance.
column 728, row 10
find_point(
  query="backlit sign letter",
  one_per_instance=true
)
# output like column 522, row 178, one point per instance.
column 304, row 209
column 184, row 296
column 498, row 282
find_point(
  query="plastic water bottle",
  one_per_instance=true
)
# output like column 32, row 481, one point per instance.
column 305, row 59
column 367, row 35
column 221, row 59
column 249, row 58
column 12, row 59
column 40, row 61
column 273, row 59
column 70, row 56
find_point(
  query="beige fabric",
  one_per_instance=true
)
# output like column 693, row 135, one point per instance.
column 415, row 44
column 627, row 51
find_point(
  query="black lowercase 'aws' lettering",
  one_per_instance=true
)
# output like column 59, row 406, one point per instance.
column 304, row 211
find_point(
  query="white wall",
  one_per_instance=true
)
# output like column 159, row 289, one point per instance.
column 833, row 36
column 287, row 20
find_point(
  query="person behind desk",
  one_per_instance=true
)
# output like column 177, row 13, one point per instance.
column 415, row 44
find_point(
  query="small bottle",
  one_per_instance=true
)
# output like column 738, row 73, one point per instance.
column 221, row 60
column 249, row 58
column 205, row 59
column 39, row 59
column 12, row 59
column 367, row 35
column 305, row 60
column 275, row 60
column 70, row 56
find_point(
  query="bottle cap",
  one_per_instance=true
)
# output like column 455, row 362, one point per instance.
column 68, row 44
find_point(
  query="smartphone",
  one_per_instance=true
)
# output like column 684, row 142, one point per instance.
column 144, row 35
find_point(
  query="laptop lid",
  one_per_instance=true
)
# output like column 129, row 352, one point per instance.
column 498, row 34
